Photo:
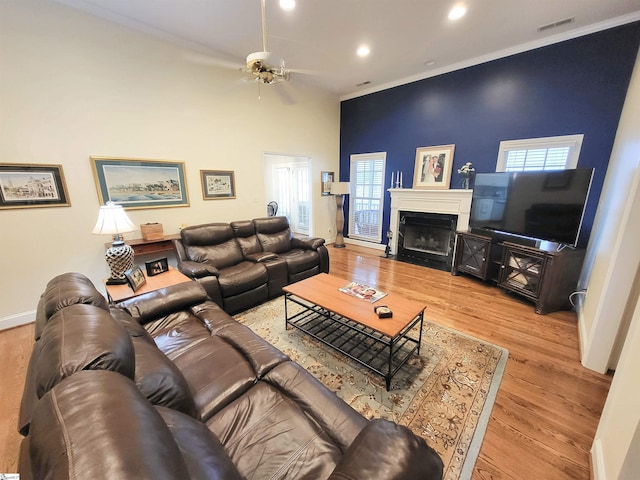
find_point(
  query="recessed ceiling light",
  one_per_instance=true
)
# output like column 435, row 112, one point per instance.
column 287, row 4
column 363, row 51
column 429, row 63
column 457, row 12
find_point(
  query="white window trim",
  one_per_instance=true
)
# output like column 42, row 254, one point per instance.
column 363, row 157
column 573, row 141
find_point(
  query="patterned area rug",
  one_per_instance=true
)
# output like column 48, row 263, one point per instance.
column 445, row 395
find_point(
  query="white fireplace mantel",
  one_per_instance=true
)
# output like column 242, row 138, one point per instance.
column 451, row 202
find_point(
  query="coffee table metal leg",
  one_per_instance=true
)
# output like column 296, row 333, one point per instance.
column 388, row 377
column 286, row 313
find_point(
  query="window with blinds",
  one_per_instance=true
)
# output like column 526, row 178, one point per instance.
column 548, row 153
column 366, row 196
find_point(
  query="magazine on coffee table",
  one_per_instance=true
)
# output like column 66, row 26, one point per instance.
column 363, row 292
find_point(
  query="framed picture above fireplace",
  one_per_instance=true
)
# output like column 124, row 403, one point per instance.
column 433, row 167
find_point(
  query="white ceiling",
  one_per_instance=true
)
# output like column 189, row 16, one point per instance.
column 323, row 35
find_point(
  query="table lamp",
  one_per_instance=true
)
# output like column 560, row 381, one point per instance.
column 112, row 220
column 339, row 189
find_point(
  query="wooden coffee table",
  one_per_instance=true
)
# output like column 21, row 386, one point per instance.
column 349, row 324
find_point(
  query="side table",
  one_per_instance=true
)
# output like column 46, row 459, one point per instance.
column 118, row 293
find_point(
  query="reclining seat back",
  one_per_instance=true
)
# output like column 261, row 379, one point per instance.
column 213, row 243
column 275, row 236
column 241, row 283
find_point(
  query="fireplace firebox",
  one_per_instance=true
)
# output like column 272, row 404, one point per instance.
column 427, row 239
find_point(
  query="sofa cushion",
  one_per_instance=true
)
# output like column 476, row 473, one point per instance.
column 81, row 337
column 201, row 450
column 242, row 277
column 64, row 290
column 160, row 380
column 267, row 435
column 97, row 425
column 274, row 234
column 300, row 260
column 214, row 244
column 245, row 232
column 211, row 392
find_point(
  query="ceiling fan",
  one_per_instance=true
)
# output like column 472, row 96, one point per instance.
column 265, row 67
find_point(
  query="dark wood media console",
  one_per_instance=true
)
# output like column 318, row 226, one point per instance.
column 545, row 274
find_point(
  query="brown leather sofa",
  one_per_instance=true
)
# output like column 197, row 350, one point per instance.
column 244, row 263
column 169, row 386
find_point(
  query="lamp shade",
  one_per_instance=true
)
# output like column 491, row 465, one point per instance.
column 113, row 219
column 339, row 188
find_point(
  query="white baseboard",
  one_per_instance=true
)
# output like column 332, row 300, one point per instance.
column 598, row 471
column 17, row 320
column 361, row 243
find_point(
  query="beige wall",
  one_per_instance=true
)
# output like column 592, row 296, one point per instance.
column 72, row 86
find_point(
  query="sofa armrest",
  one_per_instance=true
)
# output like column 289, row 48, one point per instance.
column 260, row 256
column 307, row 243
column 385, row 450
column 197, row 269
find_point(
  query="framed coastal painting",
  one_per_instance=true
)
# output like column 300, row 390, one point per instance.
column 433, row 167
column 137, row 183
column 218, row 184
column 32, row 185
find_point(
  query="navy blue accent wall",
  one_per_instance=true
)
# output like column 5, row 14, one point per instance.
column 577, row 86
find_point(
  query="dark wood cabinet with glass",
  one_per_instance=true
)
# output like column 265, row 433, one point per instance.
column 546, row 274
column 477, row 255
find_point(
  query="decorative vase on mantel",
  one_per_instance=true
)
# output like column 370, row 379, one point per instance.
column 467, row 172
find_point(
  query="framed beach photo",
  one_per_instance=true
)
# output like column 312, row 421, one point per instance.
column 218, row 184
column 32, row 185
column 326, row 180
column 433, row 167
column 137, row 183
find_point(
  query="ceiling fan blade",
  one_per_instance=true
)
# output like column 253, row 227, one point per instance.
column 285, row 92
column 215, row 62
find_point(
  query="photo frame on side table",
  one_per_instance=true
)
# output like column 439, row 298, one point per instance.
column 433, row 167
column 156, row 267
column 218, row 184
column 32, row 185
column 326, row 179
column 135, row 278
column 137, row 183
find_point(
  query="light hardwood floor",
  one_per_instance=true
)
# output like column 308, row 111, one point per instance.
column 547, row 409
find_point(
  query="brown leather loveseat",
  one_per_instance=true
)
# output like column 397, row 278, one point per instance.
column 169, row 386
column 244, row 263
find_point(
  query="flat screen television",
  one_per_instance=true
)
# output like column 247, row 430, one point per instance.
column 542, row 205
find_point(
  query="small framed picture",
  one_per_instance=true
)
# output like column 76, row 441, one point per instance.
column 326, row 181
column 135, row 278
column 156, row 266
column 218, row 184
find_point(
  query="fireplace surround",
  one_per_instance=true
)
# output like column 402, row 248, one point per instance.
column 452, row 206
